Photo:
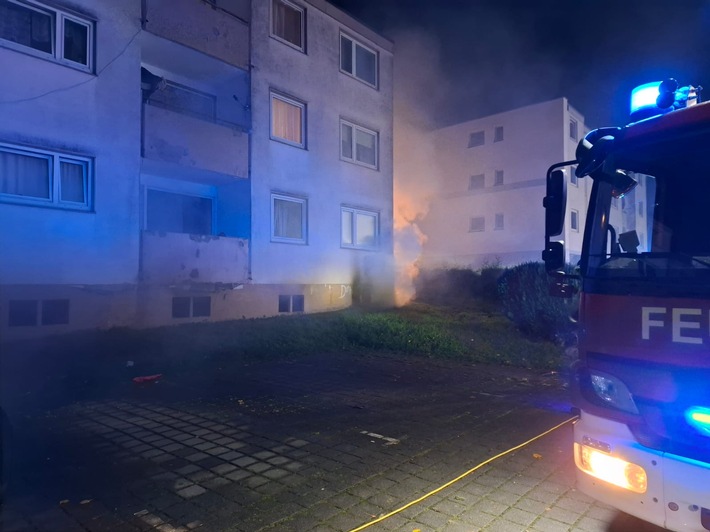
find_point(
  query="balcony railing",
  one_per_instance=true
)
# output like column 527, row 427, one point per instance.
column 177, row 258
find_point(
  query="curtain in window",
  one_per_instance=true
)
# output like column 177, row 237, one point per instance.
column 24, row 175
column 346, row 225
column 346, row 139
column 286, row 120
column 72, row 180
column 365, row 147
column 287, row 23
column 288, row 219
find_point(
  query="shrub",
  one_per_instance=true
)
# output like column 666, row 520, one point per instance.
column 458, row 286
column 525, row 298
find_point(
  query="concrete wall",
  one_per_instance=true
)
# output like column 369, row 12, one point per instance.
column 534, row 138
column 317, row 173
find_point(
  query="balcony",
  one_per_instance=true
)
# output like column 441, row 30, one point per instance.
column 221, row 33
column 178, row 259
column 195, row 144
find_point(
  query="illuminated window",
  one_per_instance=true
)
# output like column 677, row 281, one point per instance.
column 359, row 229
column 498, row 134
column 477, row 224
column 287, row 120
column 498, row 226
column 574, row 220
column 35, row 177
column 358, row 60
column 499, row 176
column 478, row 138
column 358, row 145
column 47, row 32
column 288, row 23
column 572, row 129
column 289, row 216
column 178, row 213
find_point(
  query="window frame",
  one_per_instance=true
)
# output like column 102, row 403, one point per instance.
column 54, row 176
column 353, row 57
column 471, row 228
column 473, row 141
column 473, row 182
column 304, row 219
column 496, row 136
column 353, row 144
column 58, row 18
column 355, row 211
column 295, row 103
column 573, row 127
column 499, row 216
column 574, row 220
column 284, row 40
column 498, row 178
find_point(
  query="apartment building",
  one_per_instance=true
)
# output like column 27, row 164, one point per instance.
column 492, row 175
column 168, row 161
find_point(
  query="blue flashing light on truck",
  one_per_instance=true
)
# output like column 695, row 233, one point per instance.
column 642, row 378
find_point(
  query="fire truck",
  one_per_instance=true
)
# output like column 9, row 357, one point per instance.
column 642, row 377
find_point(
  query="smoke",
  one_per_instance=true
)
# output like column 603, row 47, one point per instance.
column 419, row 91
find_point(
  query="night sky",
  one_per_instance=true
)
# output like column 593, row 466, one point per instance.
column 494, row 55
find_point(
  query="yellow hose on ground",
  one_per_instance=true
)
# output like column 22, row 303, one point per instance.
column 463, row 475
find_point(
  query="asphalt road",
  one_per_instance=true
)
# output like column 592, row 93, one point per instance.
column 330, row 442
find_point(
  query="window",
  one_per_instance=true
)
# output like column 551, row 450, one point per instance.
column 289, row 217
column 357, row 60
column 572, row 129
column 476, row 181
column 288, row 303
column 640, row 208
column 183, row 99
column 178, row 213
column 47, row 32
column 358, row 145
column 31, row 312
column 287, row 120
column 477, row 224
column 498, row 134
column 498, row 222
column 498, row 181
column 573, row 176
column 359, row 229
column 192, row 307
column 287, row 23
column 574, row 220
column 477, row 138
column 35, row 177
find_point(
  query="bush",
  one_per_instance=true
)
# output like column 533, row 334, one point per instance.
column 458, row 286
column 525, row 298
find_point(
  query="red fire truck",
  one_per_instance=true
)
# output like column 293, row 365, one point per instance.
column 642, row 379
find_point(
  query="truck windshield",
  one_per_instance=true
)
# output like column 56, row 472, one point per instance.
column 659, row 231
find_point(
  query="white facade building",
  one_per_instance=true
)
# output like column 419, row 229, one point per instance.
column 149, row 172
column 492, row 173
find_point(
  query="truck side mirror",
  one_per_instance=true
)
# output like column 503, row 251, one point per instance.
column 554, row 256
column 555, row 203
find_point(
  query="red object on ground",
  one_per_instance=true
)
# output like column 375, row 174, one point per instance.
column 147, row 378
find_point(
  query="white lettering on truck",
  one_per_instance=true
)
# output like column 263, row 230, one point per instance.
column 681, row 323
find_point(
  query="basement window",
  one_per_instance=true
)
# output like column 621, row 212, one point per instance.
column 33, row 312
column 192, row 307
column 291, row 303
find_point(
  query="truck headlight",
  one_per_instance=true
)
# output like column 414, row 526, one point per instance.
column 610, row 469
column 612, row 391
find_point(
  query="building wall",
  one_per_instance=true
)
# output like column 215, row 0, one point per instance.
column 316, row 172
column 509, row 203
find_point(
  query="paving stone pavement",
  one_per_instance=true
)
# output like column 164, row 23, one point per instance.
column 323, row 443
